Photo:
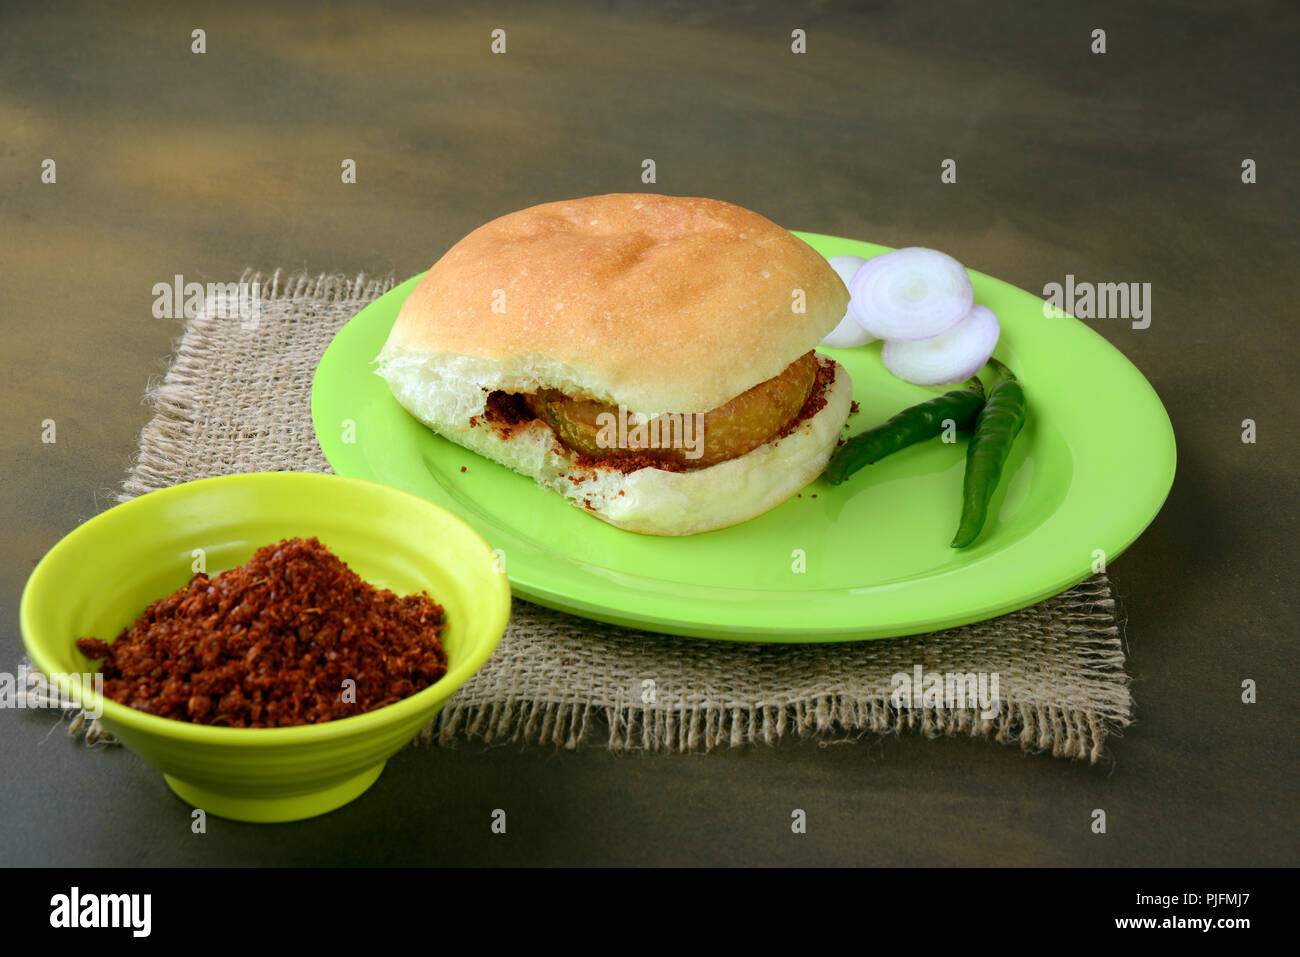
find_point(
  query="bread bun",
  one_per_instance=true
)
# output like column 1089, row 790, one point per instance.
column 658, row 304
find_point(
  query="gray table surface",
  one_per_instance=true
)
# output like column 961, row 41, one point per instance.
column 1122, row 166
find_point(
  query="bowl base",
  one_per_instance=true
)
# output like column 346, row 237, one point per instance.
column 271, row 810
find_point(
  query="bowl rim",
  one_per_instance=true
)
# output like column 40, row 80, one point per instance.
column 494, row 605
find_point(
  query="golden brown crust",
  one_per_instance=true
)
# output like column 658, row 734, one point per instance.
column 744, row 423
column 660, row 303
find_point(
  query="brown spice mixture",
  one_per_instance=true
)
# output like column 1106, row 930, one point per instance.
column 505, row 410
column 628, row 461
column 271, row 643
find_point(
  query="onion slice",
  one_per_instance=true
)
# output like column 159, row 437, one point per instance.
column 849, row 333
column 912, row 293
column 953, row 356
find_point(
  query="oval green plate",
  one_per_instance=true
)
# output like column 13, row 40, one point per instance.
column 869, row 559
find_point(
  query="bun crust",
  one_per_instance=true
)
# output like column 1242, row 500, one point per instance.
column 658, row 303
column 650, row 501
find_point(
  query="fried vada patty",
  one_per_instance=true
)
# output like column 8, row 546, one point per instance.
column 728, row 431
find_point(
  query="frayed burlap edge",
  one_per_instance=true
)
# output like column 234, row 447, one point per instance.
column 1062, row 732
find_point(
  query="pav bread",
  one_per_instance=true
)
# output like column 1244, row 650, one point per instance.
column 647, row 357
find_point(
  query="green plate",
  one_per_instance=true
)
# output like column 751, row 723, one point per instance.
column 869, row 559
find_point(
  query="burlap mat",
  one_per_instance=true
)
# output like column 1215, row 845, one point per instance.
column 237, row 399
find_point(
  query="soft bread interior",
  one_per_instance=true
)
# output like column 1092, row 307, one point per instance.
column 445, row 396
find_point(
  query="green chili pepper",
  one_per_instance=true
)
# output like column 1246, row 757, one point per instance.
column 996, row 429
column 912, row 425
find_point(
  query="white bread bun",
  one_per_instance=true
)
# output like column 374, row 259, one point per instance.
column 650, row 500
column 656, row 303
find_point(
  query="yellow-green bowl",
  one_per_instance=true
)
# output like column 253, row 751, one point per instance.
column 99, row 578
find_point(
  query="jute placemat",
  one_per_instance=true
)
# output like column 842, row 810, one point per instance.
column 237, row 399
